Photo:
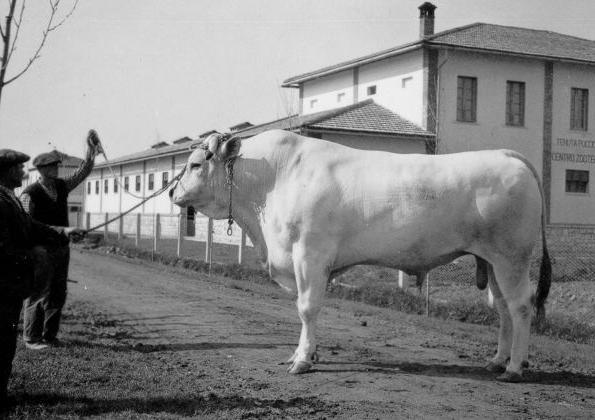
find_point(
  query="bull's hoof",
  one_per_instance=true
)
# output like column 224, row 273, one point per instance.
column 299, row 367
column 525, row 364
column 314, row 357
column 495, row 367
column 510, row 377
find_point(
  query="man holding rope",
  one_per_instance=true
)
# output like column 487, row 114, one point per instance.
column 20, row 236
column 47, row 201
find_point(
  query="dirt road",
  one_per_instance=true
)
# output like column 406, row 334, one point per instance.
column 374, row 363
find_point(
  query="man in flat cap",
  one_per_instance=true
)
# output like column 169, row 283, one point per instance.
column 47, row 201
column 19, row 235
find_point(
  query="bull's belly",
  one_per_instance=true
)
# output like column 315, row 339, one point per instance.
column 402, row 250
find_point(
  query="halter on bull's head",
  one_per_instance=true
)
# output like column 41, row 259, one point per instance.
column 207, row 173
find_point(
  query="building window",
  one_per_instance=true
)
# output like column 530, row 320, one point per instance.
column 115, row 185
column 577, row 181
column 137, row 183
column 515, row 103
column 313, row 102
column 467, row 99
column 126, row 183
column 89, row 187
column 340, row 97
column 164, row 179
column 151, row 182
column 371, row 90
column 105, row 186
column 405, row 81
column 96, row 187
column 579, row 109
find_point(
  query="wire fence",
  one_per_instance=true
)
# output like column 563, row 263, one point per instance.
column 572, row 251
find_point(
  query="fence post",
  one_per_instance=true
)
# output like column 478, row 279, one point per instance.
column 120, row 227
column 137, row 237
column 403, row 281
column 105, row 230
column 179, row 249
column 155, row 231
column 427, row 278
column 209, row 244
column 242, row 248
column 490, row 298
column 88, row 220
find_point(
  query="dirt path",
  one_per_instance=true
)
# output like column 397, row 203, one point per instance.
column 374, row 363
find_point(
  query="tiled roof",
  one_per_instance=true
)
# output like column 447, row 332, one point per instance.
column 479, row 36
column 513, row 40
column 362, row 117
column 366, row 116
column 149, row 154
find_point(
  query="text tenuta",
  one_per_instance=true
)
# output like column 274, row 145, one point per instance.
column 576, row 143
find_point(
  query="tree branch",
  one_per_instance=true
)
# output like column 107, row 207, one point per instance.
column 17, row 24
column 49, row 27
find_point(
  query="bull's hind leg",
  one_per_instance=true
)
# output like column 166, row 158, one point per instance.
column 498, row 363
column 311, row 278
column 515, row 302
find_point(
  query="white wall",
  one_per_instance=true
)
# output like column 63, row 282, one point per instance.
column 322, row 94
column 399, row 85
column 490, row 131
column 398, row 81
column 572, row 149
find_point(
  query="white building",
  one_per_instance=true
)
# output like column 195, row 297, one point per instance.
column 479, row 86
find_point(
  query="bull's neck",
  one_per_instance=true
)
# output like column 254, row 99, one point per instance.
column 250, row 184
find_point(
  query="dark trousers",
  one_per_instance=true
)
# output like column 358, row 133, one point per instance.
column 10, row 311
column 43, row 309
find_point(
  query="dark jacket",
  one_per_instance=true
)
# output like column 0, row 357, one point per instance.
column 46, row 210
column 19, row 233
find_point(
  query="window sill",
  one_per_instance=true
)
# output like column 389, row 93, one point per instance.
column 466, row 122
column 577, row 194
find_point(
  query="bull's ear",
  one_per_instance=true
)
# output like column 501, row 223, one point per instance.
column 230, row 148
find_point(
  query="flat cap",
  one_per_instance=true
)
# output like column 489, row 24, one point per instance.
column 46, row 159
column 9, row 157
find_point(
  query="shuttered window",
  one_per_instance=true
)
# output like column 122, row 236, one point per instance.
column 126, row 183
column 115, row 185
column 577, row 181
column 137, row 183
column 515, row 103
column 151, row 182
column 96, row 187
column 105, row 186
column 579, row 109
column 467, row 99
column 89, row 187
column 164, row 179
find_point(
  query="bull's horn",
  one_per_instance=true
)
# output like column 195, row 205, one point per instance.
column 212, row 143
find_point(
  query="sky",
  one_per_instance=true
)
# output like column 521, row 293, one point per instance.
column 144, row 71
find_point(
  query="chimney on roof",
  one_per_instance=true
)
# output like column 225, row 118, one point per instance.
column 426, row 19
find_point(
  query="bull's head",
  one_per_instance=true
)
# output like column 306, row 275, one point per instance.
column 203, row 185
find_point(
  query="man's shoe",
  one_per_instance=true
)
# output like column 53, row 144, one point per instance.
column 36, row 345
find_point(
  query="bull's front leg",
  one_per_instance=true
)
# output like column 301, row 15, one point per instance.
column 311, row 284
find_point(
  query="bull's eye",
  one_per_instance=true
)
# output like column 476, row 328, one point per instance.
column 194, row 166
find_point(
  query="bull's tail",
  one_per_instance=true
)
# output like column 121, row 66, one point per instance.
column 545, row 274
column 545, row 270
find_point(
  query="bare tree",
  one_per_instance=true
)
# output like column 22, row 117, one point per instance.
column 10, row 35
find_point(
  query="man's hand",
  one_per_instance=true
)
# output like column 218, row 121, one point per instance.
column 74, row 234
column 94, row 143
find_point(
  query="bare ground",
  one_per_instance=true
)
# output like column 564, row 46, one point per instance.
column 374, row 363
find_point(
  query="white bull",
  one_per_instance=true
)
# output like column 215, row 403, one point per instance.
column 315, row 208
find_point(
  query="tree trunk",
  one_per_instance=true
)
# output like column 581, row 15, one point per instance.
column 6, row 49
